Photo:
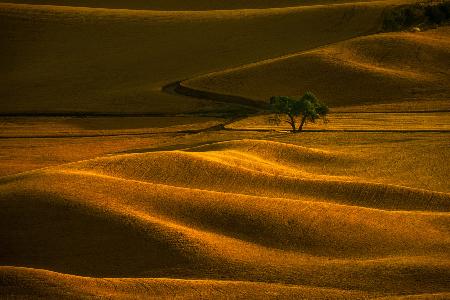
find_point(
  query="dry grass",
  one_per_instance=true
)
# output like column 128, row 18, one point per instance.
column 384, row 156
column 136, row 207
column 383, row 68
column 37, row 283
column 24, row 154
column 118, row 60
column 178, row 5
column 358, row 122
column 259, row 211
column 22, row 127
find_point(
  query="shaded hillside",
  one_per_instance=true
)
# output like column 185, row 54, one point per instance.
column 24, row 282
column 383, row 68
column 179, row 5
column 224, row 226
column 61, row 59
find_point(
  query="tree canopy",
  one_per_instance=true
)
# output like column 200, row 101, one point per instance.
column 298, row 111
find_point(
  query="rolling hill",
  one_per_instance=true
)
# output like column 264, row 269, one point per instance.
column 128, row 168
column 59, row 59
column 268, row 225
column 377, row 69
column 177, row 5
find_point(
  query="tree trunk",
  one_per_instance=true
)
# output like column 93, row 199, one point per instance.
column 300, row 128
column 293, row 125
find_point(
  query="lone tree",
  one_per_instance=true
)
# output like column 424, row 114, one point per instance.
column 297, row 111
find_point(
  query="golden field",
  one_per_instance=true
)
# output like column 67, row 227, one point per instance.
column 375, row 69
column 116, row 184
column 68, row 59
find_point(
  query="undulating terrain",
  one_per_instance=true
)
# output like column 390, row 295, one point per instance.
column 137, row 160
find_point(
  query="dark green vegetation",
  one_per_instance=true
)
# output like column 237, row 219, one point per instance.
column 423, row 15
column 297, row 111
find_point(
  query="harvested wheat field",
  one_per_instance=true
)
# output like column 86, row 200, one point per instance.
column 376, row 69
column 143, row 155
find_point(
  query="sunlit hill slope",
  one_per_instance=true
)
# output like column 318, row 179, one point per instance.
column 382, row 68
column 263, row 216
column 129, row 168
